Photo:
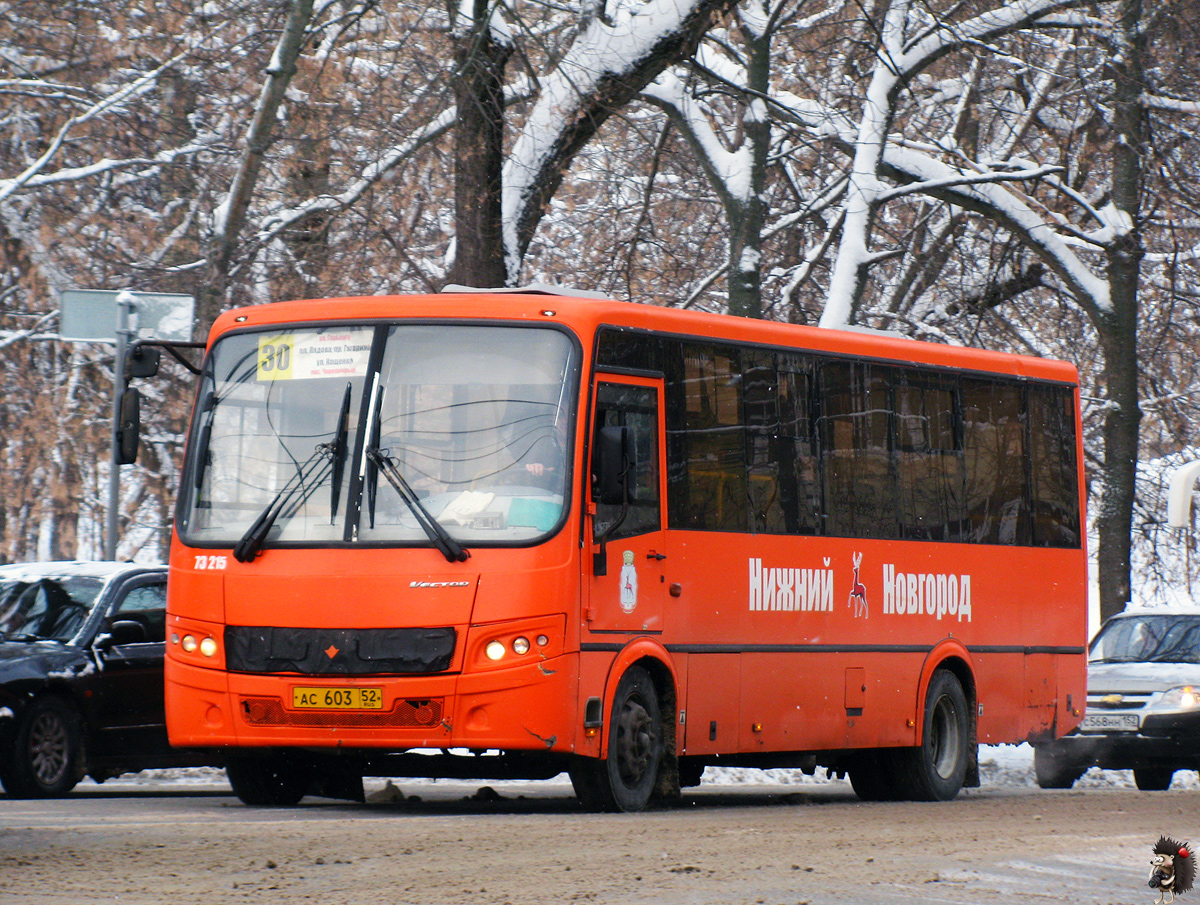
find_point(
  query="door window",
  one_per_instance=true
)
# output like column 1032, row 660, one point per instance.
column 146, row 605
column 636, row 409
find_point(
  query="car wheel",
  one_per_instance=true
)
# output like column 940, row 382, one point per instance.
column 266, row 781
column 1153, row 779
column 1052, row 771
column 46, row 756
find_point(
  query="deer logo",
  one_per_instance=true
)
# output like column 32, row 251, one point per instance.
column 858, row 593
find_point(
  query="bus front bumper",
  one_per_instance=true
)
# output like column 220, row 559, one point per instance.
column 527, row 708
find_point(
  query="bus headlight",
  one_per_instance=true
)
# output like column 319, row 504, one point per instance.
column 208, row 647
column 508, row 645
column 189, row 643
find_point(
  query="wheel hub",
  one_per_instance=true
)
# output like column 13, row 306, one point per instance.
column 48, row 749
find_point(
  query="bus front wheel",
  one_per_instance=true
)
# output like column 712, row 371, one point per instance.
column 936, row 768
column 625, row 779
column 267, row 780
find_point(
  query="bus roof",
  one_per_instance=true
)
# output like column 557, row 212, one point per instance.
column 586, row 314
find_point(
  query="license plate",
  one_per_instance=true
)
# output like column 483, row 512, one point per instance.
column 1109, row 722
column 352, row 698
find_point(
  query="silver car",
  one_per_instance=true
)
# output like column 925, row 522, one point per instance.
column 1143, row 703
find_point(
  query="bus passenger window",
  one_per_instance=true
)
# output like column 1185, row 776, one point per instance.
column 929, row 458
column 780, row 465
column 1052, row 455
column 994, row 458
column 714, row 440
column 860, row 489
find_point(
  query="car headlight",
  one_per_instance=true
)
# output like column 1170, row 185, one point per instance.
column 1185, row 697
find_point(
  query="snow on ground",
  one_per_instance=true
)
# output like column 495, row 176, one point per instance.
column 999, row 765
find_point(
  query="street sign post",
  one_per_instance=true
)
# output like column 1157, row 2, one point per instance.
column 120, row 316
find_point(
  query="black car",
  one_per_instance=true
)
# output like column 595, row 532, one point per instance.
column 81, row 675
column 1143, row 703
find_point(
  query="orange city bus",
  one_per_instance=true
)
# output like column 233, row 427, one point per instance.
column 508, row 534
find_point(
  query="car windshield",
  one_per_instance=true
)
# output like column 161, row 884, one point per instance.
column 1152, row 638
column 408, row 434
column 46, row 608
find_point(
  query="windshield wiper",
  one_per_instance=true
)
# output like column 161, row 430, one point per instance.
column 251, row 543
column 439, row 536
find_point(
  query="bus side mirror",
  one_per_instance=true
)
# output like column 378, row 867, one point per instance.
column 614, row 449
column 129, row 425
column 144, row 361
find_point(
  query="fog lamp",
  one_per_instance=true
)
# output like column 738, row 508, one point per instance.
column 520, row 646
column 189, row 643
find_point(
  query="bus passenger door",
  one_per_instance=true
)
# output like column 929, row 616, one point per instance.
column 628, row 582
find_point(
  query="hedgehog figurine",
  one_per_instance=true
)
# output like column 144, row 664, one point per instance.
column 1172, row 869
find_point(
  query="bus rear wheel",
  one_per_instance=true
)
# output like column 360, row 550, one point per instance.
column 267, row 780
column 873, row 775
column 625, row 779
column 1052, row 771
column 936, row 769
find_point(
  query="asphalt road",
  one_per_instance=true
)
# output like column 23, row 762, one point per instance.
column 447, row 843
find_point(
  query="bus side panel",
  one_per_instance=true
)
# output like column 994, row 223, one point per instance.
column 820, row 701
column 713, row 715
column 825, row 637
column 1000, row 718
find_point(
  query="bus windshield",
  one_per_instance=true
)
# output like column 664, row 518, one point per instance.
column 425, row 435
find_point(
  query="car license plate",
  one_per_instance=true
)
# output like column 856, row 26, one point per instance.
column 1109, row 722
column 352, row 698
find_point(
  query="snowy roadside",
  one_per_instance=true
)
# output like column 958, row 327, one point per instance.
column 1000, row 765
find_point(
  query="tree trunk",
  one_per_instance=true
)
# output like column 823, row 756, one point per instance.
column 479, row 154
column 230, row 217
column 579, row 118
column 747, row 215
column 1118, row 328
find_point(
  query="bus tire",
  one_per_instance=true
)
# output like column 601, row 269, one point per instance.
column 935, row 769
column 1051, row 771
column 873, row 775
column 626, row 778
column 267, row 781
column 585, row 778
column 48, row 751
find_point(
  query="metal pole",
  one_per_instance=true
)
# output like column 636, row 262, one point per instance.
column 126, row 302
